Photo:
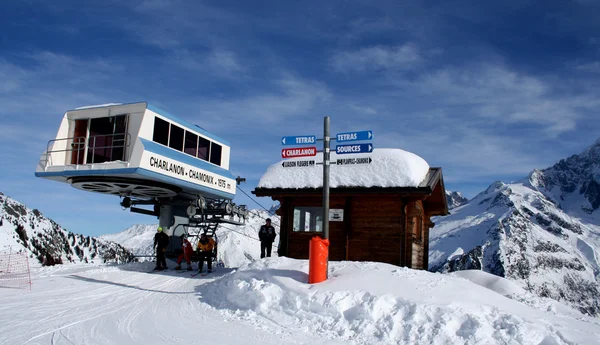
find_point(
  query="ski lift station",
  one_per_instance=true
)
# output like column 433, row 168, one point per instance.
column 156, row 163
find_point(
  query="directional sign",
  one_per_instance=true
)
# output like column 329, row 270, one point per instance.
column 299, row 152
column 356, row 148
column 353, row 161
column 354, row 136
column 298, row 164
column 305, row 139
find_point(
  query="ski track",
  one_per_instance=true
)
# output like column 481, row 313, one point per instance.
column 114, row 306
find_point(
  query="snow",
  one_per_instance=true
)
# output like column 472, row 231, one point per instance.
column 97, row 106
column 269, row 302
column 389, row 168
column 498, row 284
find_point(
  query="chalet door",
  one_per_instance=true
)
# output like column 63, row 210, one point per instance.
column 78, row 145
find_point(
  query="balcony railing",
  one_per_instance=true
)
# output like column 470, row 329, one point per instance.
column 96, row 149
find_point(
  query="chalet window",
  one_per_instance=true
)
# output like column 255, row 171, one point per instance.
column 215, row 154
column 191, row 143
column 308, row 219
column 176, row 138
column 203, row 148
column 161, row 131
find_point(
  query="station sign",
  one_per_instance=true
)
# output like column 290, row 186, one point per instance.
column 355, row 148
column 298, row 164
column 354, row 136
column 354, row 161
column 299, row 152
column 299, row 140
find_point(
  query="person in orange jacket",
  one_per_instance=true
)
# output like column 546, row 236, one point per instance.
column 187, row 254
column 205, row 248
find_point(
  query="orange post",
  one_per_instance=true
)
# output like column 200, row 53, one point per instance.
column 318, row 251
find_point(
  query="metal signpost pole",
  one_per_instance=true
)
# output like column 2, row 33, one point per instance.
column 326, row 148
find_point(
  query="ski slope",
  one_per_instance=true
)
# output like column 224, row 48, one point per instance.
column 269, row 302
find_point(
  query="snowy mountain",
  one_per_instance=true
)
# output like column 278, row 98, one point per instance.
column 543, row 233
column 24, row 229
column 269, row 302
column 238, row 244
column 455, row 199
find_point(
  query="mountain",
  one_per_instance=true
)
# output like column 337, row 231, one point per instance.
column 22, row 228
column 542, row 232
column 455, row 199
column 238, row 244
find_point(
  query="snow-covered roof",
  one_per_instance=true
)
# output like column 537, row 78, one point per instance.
column 388, row 168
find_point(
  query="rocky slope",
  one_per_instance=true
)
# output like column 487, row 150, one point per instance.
column 542, row 232
column 43, row 239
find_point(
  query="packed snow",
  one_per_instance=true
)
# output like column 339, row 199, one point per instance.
column 270, row 302
column 389, row 168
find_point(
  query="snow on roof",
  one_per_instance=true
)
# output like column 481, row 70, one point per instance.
column 97, row 106
column 389, row 168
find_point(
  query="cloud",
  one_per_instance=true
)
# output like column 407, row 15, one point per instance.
column 500, row 95
column 376, row 58
column 592, row 67
column 218, row 62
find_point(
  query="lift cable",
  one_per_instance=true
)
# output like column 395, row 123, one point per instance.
column 251, row 198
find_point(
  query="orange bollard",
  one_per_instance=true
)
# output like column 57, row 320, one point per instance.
column 318, row 251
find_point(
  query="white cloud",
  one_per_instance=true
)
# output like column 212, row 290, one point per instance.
column 501, row 95
column 218, row 62
column 377, row 58
column 592, row 67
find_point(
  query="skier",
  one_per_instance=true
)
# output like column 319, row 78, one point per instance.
column 266, row 235
column 161, row 242
column 187, row 254
column 205, row 248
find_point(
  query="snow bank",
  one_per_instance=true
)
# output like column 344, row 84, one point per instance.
column 500, row 285
column 389, row 168
column 374, row 303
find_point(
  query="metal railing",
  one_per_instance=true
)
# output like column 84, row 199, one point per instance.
column 79, row 147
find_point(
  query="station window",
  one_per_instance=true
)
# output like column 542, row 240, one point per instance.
column 191, row 143
column 215, row 154
column 308, row 219
column 161, row 131
column 176, row 138
column 203, row 148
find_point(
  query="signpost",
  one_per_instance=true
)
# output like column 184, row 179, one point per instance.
column 354, row 136
column 299, row 140
column 298, row 164
column 354, row 148
column 336, row 214
column 354, row 161
column 299, row 152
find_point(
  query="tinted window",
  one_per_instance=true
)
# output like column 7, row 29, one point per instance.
column 191, row 143
column 176, row 138
column 215, row 154
column 203, row 148
column 308, row 219
column 161, row 131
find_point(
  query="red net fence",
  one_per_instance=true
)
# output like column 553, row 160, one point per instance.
column 14, row 269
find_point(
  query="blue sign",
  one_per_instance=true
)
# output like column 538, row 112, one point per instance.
column 354, row 136
column 356, row 148
column 301, row 140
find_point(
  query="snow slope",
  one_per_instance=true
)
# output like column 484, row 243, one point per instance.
column 542, row 232
column 269, row 302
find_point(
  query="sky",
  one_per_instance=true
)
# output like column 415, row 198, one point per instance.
column 487, row 91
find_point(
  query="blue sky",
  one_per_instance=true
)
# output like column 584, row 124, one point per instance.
column 486, row 91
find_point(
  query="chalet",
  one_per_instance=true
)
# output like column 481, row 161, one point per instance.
column 380, row 206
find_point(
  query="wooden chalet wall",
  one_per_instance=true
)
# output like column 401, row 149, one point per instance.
column 388, row 225
column 373, row 229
